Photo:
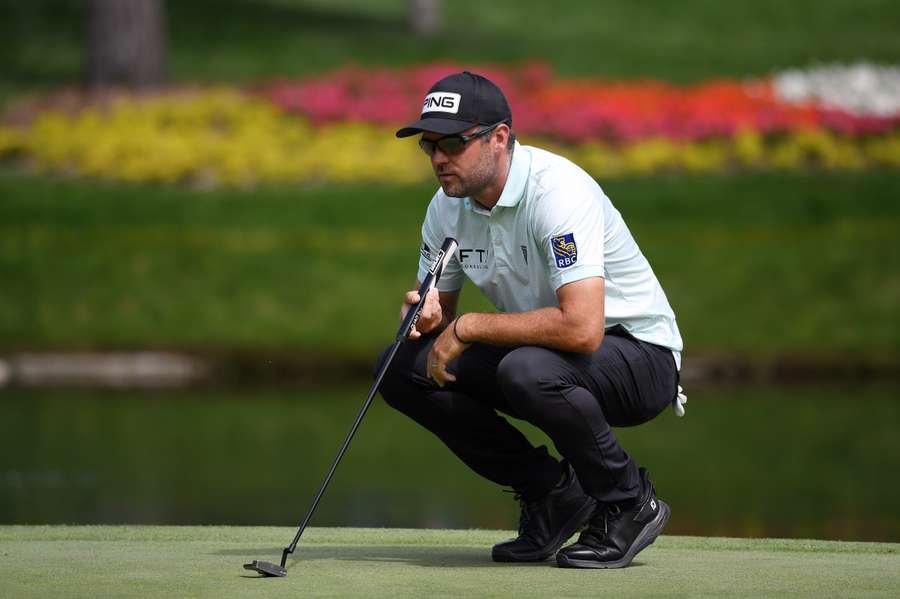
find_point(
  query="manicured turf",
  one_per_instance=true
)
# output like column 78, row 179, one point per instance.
column 753, row 264
column 206, row 562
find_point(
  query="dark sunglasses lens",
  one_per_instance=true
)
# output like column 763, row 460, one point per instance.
column 427, row 146
column 451, row 145
column 448, row 145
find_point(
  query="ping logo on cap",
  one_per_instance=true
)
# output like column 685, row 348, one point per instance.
column 441, row 102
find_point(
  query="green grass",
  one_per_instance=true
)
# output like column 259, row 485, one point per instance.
column 206, row 562
column 759, row 265
column 42, row 40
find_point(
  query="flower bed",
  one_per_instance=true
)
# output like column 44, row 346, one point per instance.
column 580, row 111
column 339, row 127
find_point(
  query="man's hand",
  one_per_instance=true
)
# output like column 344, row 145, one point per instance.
column 447, row 347
column 431, row 315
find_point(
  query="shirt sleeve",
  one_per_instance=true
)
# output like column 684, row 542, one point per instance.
column 569, row 227
column 433, row 235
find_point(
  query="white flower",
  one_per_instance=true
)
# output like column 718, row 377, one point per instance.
column 861, row 89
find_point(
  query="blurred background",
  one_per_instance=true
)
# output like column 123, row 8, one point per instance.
column 206, row 226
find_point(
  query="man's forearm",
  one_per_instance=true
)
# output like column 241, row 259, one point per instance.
column 545, row 327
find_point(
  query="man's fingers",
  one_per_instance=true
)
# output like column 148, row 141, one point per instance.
column 442, row 376
column 438, row 372
column 439, row 379
column 431, row 298
column 435, row 370
column 430, row 370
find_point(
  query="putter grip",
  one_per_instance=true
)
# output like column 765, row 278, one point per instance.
column 448, row 248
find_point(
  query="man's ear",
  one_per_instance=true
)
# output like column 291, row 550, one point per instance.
column 501, row 135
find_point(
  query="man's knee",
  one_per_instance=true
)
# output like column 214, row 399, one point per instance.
column 521, row 374
column 398, row 383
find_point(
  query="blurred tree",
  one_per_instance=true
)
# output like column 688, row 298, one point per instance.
column 425, row 17
column 126, row 43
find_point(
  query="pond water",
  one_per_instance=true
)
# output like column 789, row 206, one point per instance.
column 792, row 462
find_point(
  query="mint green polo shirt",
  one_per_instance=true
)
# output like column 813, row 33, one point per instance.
column 552, row 225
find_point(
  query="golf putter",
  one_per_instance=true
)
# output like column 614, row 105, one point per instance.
column 412, row 317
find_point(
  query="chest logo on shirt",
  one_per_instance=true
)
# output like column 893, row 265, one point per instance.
column 565, row 252
column 473, row 258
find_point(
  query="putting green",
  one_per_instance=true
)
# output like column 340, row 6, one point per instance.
column 145, row 561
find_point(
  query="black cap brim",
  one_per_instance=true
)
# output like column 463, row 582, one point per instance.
column 435, row 125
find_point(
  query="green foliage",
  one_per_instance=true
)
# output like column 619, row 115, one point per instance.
column 755, row 264
column 42, row 40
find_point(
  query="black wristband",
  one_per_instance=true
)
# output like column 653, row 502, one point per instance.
column 455, row 334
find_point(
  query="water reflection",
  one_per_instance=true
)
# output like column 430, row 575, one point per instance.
column 752, row 462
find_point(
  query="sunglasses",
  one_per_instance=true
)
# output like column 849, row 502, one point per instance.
column 453, row 144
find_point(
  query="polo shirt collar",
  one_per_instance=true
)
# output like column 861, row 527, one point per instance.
column 517, row 179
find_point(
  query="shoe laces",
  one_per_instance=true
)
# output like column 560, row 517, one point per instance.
column 524, row 511
column 607, row 513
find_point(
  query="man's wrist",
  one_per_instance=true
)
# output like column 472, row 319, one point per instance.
column 456, row 330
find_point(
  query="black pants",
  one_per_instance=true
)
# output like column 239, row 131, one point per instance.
column 573, row 398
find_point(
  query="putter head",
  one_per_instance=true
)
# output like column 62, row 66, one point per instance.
column 266, row 568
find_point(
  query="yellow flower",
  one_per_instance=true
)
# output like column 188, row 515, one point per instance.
column 885, row 150
column 222, row 136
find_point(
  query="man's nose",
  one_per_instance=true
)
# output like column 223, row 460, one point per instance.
column 439, row 157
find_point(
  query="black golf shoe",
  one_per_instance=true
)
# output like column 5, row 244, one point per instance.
column 546, row 524
column 615, row 535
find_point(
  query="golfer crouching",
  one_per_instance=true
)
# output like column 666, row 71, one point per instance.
column 584, row 338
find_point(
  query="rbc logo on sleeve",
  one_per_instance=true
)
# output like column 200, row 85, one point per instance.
column 565, row 251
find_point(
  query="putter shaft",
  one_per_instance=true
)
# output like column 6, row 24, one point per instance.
column 448, row 249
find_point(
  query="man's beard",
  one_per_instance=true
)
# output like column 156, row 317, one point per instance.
column 474, row 182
